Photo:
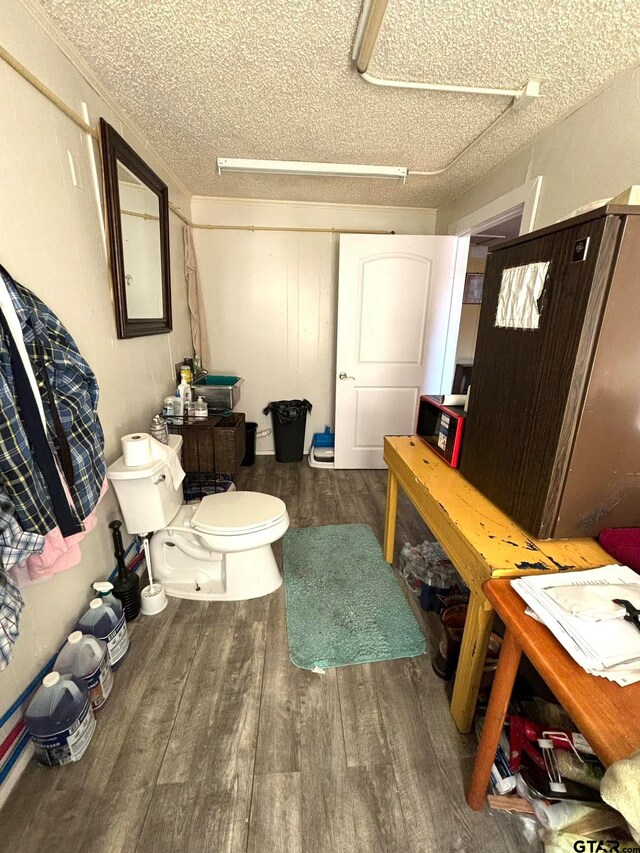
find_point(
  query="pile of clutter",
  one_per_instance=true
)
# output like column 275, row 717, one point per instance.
column 547, row 773
column 431, row 575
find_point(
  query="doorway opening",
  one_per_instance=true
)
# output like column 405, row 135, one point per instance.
column 503, row 218
column 482, row 236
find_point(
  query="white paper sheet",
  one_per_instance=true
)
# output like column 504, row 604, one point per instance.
column 610, row 649
column 520, row 289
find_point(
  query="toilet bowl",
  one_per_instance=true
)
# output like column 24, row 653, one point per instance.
column 216, row 550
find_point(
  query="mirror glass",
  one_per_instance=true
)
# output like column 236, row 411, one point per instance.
column 140, row 223
column 137, row 219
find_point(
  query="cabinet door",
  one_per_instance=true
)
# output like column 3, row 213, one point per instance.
column 528, row 383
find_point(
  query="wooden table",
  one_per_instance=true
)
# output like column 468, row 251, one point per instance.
column 605, row 713
column 480, row 540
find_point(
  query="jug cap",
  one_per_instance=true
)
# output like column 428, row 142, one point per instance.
column 103, row 587
column 95, row 603
column 51, row 680
column 75, row 637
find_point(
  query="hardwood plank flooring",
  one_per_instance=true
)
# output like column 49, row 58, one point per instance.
column 276, row 808
column 213, row 741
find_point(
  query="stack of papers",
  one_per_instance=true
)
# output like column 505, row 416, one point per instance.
column 610, row 647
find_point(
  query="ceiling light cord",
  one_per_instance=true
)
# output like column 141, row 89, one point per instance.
column 364, row 43
column 366, row 36
column 421, row 174
column 438, row 87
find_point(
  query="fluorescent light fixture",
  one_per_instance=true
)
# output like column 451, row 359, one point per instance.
column 301, row 167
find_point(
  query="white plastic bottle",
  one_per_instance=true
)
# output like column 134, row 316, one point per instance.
column 88, row 660
column 201, row 410
column 178, row 405
column 102, row 622
column 104, row 590
column 184, row 389
column 60, row 720
column 167, row 407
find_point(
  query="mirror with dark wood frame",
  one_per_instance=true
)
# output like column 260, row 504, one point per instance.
column 137, row 213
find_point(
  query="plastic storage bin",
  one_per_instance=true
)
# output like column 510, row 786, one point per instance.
column 219, row 391
column 289, row 419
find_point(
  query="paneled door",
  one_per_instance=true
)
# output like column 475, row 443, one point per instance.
column 399, row 306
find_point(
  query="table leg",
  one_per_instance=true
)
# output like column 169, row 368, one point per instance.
column 390, row 517
column 473, row 652
column 494, row 721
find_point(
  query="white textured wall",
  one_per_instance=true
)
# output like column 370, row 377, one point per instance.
column 590, row 155
column 270, row 297
column 51, row 241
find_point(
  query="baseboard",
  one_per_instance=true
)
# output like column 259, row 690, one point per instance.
column 272, row 453
column 15, row 773
column 10, row 780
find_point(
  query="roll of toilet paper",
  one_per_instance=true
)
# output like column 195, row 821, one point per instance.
column 136, row 449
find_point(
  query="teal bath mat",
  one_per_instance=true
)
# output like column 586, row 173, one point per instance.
column 344, row 605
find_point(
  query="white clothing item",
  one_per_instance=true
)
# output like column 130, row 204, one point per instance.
column 9, row 312
column 168, row 455
column 620, row 788
column 199, row 335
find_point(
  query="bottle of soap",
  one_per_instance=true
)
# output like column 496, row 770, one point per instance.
column 200, row 409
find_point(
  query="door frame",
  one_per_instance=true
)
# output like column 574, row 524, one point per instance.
column 526, row 197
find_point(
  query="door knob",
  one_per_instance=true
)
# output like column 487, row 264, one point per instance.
column 344, row 376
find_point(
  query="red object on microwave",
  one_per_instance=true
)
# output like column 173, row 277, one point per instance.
column 441, row 427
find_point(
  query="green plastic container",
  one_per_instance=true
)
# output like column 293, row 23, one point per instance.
column 218, row 389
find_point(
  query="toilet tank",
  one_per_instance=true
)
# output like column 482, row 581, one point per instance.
column 146, row 494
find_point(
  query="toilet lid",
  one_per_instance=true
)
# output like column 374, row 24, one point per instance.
column 237, row 512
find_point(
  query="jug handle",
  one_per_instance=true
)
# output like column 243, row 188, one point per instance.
column 73, row 688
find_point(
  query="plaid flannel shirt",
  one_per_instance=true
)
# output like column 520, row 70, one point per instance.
column 76, row 394
column 11, row 604
column 16, row 544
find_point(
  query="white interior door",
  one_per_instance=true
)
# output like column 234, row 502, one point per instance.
column 399, row 304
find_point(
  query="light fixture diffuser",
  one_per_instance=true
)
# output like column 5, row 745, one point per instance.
column 301, row 167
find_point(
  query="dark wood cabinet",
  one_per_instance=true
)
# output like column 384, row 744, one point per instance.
column 553, row 428
column 214, row 445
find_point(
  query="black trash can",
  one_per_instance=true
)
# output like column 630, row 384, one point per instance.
column 289, row 418
column 250, row 444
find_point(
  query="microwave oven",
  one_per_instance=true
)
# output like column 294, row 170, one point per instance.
column 441, row 427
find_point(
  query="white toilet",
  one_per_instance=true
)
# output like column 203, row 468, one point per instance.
column 216, row 550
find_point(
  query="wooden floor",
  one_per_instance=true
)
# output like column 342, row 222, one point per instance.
column 213, row 741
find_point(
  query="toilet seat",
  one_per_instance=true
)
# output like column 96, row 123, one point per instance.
column 237, row 513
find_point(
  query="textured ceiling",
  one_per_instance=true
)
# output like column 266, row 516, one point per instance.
column 273, row 79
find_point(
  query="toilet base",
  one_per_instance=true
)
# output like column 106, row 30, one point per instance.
column 235, row 576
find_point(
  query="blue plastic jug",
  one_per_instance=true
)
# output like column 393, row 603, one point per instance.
column 108, row 624
column 87, row 659
column 60, row 720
